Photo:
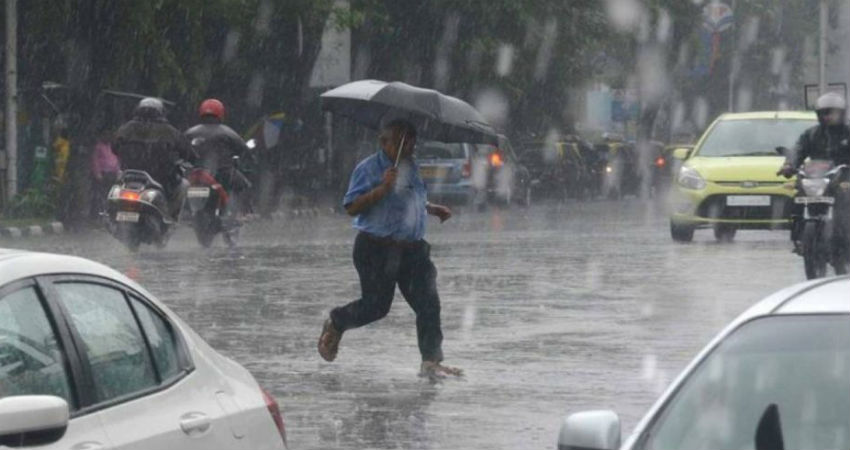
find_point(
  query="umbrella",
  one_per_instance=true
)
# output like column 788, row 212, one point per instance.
column 435, row 115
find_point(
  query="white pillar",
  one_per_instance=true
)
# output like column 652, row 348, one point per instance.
column 11, row 98
column 824, row 23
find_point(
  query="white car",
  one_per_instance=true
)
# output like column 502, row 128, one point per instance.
column 90, row 360
column 777, row 377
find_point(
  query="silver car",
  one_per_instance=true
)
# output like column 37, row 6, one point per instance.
column 89, row 360
column 777, row 377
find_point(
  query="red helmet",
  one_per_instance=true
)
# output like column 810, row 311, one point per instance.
column 212, row 107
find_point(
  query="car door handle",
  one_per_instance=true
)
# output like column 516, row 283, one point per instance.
column 88, row 445
column 195, row 423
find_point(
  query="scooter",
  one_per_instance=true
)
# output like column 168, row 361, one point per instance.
column 212, row 207
column 824, row 237
column 137, row 211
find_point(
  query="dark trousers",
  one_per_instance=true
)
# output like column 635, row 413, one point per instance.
column 381, row 266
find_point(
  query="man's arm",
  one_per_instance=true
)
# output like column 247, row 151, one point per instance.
column 443, row 212
column 364, row 201
column 801, row 150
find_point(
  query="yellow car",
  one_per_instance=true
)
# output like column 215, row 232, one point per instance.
column 728, row 180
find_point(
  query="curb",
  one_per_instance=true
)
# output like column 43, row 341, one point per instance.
column 32, row 230
column 303, row 213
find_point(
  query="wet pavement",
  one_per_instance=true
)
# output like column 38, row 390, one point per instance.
column 549, row 310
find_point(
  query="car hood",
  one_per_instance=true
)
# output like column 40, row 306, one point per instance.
column 737, row 168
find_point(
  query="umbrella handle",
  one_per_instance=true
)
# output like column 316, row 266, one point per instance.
column 400, row 147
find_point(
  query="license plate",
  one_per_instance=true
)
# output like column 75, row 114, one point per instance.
column 807, row 200
column 748, row 200
column 124, row 216
column 197, row 192
column 432, row 172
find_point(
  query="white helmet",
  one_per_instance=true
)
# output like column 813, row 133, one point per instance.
column 831, row 100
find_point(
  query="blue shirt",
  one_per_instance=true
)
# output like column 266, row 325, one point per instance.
column 400, row 214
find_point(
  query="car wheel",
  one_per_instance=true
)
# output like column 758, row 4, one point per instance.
column 724, row 233
column 681, row 233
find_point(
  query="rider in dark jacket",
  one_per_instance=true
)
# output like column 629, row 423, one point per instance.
column 216, row 144
column 829, row 140
column 149, row 143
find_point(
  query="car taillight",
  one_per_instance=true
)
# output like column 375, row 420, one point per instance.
column 660, row 162
column 496, row 159
column 132, row 196
column 467, row 169
column 277, row 417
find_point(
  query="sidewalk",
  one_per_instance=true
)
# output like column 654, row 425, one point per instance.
column 18, row 228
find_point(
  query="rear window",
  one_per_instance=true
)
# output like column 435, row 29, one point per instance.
column 441, row 150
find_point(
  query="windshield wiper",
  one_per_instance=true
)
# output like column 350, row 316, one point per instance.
column 769, row 430
column 761, row 153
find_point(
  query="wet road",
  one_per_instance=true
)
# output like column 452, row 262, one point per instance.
column 549, row 310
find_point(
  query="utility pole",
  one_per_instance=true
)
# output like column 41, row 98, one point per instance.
column 735, row 62
column 824, row 23
column 11, row 98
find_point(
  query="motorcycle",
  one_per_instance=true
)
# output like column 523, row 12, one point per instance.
column 212, row 207
column 824, row 236
column 137, row 211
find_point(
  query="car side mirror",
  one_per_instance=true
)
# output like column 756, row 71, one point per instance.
column 590, row 430
column 32, row 420
column 683, row 153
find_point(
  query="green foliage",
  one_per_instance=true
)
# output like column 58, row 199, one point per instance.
column 32, row 203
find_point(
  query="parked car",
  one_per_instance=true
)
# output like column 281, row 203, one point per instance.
column 561, row 169
column 473, row 174
column 777, row 377
column 446, row 169
column 729, row 181
column 89, row 359
column 498, row 176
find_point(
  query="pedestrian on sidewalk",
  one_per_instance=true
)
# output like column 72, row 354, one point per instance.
column 104, row 169
column 389, row 202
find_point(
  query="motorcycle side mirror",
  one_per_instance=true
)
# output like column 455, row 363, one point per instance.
column 783, row 151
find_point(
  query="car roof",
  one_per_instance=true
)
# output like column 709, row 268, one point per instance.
column 20, row 264
column 798, row 115
column 824, row 296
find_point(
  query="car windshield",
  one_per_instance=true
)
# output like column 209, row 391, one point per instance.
column 796, row 366
column 753, row 137
column 440, row 150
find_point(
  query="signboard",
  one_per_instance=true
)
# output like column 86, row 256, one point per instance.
column 717, row 17
column 813, row 92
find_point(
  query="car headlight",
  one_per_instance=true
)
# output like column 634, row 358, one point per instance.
column 691, row 179
column 814, row 187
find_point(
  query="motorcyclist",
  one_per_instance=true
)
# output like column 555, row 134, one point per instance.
column 826, row 141
column 216, row 144
column 148, row 142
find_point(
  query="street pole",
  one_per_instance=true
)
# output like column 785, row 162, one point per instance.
column 824, row 19
column 734, row 63
column 11, row 98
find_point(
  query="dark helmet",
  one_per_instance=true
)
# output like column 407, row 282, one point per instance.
column 212, row 107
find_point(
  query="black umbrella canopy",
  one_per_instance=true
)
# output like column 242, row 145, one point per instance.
column 436, row 116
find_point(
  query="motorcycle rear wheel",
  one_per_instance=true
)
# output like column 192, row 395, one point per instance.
column 205, row 229
column 814, row 259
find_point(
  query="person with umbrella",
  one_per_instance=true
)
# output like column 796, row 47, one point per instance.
column 388, row 200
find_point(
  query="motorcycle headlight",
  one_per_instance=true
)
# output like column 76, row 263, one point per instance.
column 148, row 196
column 114, row 193
column 814, row 187
column 691, row 179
